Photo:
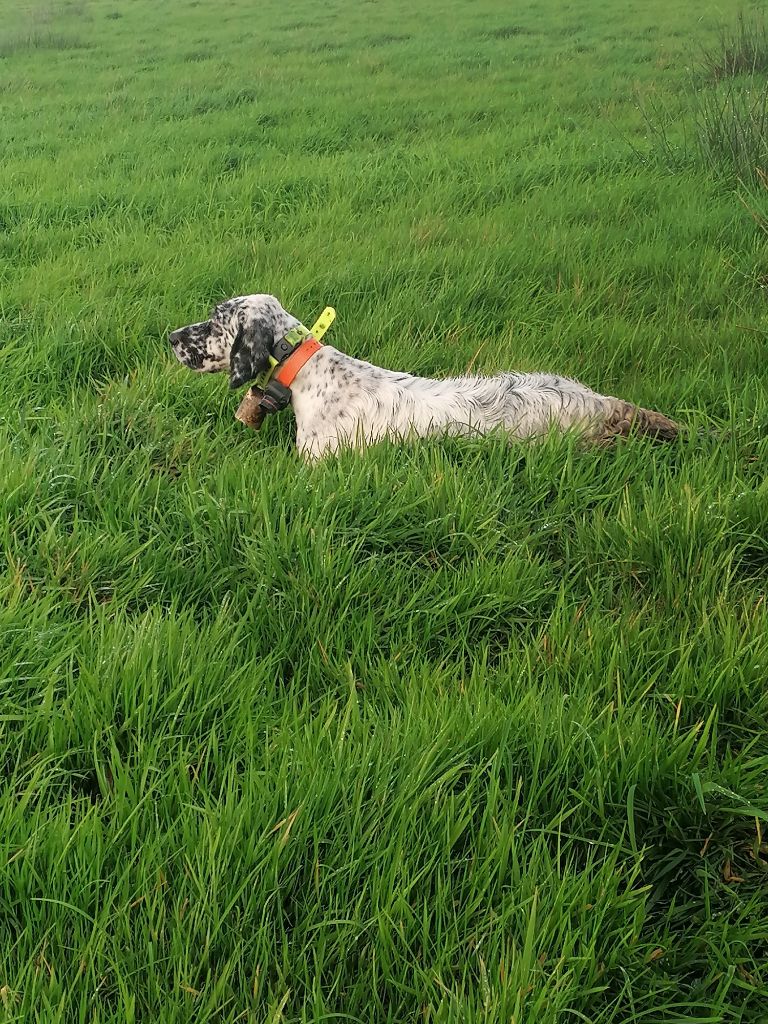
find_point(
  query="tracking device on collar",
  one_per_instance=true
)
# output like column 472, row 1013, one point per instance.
column 271, row 391
column 275, row 397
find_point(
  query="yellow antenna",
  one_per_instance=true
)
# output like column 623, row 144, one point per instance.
column 323, row 322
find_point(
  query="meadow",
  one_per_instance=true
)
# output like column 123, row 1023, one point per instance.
column 446, row 732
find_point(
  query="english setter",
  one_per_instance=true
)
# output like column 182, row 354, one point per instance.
column 338, row 400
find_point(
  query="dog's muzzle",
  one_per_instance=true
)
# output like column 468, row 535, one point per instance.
column 188, row 348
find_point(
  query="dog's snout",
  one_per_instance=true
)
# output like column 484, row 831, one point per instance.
column 190, row 346
column 200, row 348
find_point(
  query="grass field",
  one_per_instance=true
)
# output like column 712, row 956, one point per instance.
column 446, row 733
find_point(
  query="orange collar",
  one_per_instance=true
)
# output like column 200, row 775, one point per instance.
column 286, row 372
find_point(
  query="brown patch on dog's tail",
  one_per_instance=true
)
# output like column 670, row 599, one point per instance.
column 626, row 419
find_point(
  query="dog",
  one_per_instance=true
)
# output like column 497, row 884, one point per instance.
column 341, row 401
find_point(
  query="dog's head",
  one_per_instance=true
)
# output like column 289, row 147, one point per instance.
column 238, row 337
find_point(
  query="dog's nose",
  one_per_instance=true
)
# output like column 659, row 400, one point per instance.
column 175, row 336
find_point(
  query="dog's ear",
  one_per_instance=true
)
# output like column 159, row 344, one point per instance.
column 250, row 352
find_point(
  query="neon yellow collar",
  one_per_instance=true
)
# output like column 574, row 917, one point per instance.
column 295, row 337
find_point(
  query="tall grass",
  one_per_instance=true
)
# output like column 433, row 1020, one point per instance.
column 732, row 128
column 445, row 732
column 740, row 50
column 722, row 123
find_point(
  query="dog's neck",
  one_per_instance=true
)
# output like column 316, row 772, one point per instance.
column 293, row 349
column 272, row 391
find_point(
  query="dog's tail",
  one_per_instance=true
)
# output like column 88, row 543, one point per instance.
column 624, row 419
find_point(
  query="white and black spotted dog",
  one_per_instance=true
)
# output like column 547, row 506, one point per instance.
column 338, row 400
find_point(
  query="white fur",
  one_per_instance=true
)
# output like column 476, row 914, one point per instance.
column 341, row 401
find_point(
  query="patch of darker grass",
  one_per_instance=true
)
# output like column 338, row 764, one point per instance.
column 38, row 40
column 294, row 26
column 326, row 46
column 741, row 50
column 387, row 38
column 507, row 32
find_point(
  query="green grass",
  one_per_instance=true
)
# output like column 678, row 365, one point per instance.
column 451, row 732
column 720, row 121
